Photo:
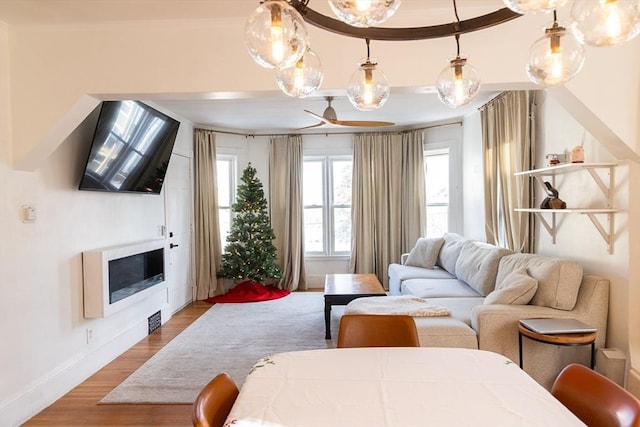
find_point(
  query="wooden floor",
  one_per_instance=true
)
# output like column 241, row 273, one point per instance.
column 80, row 406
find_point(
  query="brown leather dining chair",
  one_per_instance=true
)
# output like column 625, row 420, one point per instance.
column 595, row 399
column 214, row 402
column 377, row 330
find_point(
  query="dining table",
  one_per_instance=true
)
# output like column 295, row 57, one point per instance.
column 393, row 387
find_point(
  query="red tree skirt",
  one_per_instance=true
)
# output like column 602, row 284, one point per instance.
column 249, row 291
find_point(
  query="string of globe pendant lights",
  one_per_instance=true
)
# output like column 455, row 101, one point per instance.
column 276, row 38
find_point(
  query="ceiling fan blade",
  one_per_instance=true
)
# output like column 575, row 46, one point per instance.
column 312, row 126
column 362, row 123
column 318, row 116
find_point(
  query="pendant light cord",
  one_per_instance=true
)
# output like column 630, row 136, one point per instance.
column 457, row 27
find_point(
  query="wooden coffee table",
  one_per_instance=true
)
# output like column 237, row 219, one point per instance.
column 341, row 289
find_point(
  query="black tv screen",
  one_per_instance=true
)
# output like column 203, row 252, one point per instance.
column 131, row 149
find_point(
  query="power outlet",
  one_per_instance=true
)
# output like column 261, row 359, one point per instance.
column 89, row 335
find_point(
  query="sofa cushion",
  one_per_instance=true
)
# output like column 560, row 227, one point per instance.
column 404, row 272
column 516, row 288
column 430, row 288
column 425, row 253
column 477, row 265
column 558, row 279
column 449, row 251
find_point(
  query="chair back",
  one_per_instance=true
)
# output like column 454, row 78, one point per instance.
column 595, row 399
column 214, row 402
column 377, row 330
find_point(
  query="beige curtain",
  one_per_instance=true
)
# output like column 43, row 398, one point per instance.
column 388, row 206
column 208, row 251
column 286, row 208
column 507, row 143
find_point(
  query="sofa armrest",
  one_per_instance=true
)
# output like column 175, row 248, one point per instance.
column 497, row 325
column 403, row 258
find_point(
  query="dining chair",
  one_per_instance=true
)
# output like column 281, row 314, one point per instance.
column 214, row 402
column 377, row 330
column 595, row 399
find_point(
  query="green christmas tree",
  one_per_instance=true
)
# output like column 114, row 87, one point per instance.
column 250, row 253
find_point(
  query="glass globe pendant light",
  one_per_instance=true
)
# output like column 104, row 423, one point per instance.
column 534, row 6
column 275, row 35
column 303, row 78
column 605, row 22
column 555, row 58
column 364, row 13
column 368, row 87
column 459, row 83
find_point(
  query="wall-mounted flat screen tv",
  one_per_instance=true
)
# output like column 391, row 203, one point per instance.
column 131, row 149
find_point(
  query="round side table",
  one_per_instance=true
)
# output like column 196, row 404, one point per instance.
column 558, row 339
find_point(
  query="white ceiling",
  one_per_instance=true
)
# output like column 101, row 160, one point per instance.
column 264, row 111
column 277, row 112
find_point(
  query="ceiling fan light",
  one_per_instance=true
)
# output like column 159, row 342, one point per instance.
column 534, row 6
column 275, row 35
column 458, row 83
column 555, row 58
column 364, row 13
column 368, row 88
column 605, row 22
column 303, row 78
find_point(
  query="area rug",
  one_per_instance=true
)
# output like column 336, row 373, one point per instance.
column 249, row 291
column 227, row 338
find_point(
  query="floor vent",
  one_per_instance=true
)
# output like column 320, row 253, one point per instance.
column 155, row 320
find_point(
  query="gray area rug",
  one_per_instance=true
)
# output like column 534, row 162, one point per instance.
column 229, row 338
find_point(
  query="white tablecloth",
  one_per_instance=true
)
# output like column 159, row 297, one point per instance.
column 388, row 387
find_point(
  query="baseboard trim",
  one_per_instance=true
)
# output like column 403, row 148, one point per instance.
column 39, row 395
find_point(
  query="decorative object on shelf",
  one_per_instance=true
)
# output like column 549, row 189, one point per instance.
column 553, row 159
column 276, row 35
column 552, row 201
column 577, row 154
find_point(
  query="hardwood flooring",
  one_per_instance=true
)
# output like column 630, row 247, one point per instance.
column 80, row 406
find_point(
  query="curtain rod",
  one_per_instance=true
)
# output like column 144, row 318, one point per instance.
column 253, row 135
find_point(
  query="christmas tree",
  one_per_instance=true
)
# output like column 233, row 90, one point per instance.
column 250, row 253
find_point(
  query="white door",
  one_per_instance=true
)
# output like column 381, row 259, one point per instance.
column 179, row 211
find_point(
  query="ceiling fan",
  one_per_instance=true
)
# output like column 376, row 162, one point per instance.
column 329, row 117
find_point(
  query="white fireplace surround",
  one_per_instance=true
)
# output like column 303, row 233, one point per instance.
column 95, row 268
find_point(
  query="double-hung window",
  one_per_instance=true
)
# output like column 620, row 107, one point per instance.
column 327, row 205
column 226, row 180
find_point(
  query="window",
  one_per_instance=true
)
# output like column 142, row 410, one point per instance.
column 436, row 165
column 327, row 205
column 226, row 180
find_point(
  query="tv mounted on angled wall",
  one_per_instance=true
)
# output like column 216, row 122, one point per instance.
column 130, row 150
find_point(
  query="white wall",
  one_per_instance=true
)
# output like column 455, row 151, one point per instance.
column 42, row 328
column 576, row 236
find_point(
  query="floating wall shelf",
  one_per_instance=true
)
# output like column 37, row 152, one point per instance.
column 606, row 230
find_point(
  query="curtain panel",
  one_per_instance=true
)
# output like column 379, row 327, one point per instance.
column 286, row 208
column 388, row 200
column 208, row 251
column 508, row 148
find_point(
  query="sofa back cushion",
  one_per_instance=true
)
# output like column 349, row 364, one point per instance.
column 425, row 253
column 450, row 251
column 558, row 279
column 477, row 265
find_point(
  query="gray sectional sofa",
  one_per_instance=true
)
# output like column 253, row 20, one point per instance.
column 488, row 289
